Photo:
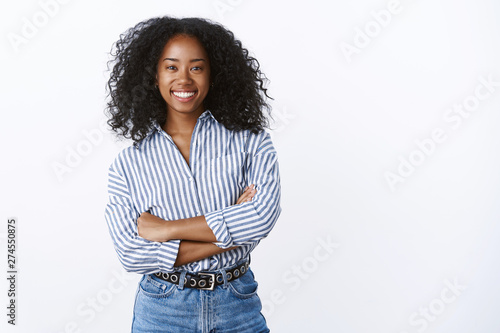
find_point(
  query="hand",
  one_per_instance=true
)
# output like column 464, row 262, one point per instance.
column 152, row 228
column 247, row 195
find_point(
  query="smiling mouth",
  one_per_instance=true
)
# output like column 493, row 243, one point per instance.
column 184, row 94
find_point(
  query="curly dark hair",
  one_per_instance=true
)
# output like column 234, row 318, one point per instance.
column 236, row 99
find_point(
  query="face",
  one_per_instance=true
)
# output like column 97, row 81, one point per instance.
column 183, row 75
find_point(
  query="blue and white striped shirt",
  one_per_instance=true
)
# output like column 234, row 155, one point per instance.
column 154, row 176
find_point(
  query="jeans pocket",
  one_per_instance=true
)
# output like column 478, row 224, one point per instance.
column 245, row 286
column 156, row 289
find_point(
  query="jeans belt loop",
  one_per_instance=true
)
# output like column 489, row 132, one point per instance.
column 182, row 280
column 224, row 277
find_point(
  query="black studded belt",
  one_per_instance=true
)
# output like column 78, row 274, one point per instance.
column 204, row 281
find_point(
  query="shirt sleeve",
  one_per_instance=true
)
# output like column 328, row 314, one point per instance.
column 251, row 221
column 135, row 253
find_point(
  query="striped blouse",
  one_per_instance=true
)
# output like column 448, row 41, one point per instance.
column 154, row 176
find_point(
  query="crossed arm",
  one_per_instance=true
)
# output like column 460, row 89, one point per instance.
column 196, row 236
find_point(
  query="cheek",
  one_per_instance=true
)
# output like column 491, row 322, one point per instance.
column 164, row 89
column 205, row 82
column 164, row 86
column 163, row 80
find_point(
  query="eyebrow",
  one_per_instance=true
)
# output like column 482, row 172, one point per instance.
column 192, row 60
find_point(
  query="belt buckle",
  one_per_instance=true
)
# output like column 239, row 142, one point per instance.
column 212, row 285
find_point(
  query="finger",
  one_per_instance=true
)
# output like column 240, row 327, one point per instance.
column 240, row 199
column 247, row 197
column 248, row 193
column 244, row 196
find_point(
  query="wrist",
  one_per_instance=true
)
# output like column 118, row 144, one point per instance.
column 171, row 230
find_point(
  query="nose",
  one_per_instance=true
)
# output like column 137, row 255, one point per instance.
column 184, row 76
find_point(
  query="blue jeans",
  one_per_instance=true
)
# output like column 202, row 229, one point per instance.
column 161, row 306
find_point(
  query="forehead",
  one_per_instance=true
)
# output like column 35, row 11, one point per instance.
column 183, row 46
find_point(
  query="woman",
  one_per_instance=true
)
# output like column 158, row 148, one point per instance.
column 199, row 188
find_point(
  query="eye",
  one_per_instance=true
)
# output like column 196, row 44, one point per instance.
column 196, row 68
column 171, row 68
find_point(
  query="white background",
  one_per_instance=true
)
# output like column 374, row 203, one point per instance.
column 342, row 123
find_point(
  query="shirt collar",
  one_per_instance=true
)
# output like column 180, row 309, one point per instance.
column 205, row 115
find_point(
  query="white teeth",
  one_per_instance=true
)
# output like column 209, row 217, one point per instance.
column 183, row 94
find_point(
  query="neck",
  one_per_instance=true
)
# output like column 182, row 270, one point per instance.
column 177, row 122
